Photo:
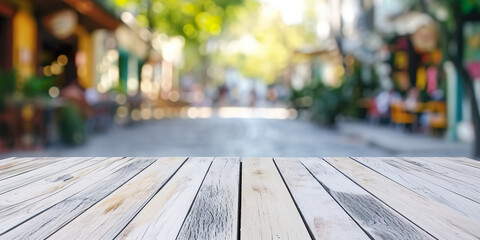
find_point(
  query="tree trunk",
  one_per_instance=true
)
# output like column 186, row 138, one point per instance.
column 469, row 88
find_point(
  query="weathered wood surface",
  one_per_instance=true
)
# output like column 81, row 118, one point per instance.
column 13, row 182
column 233, row 198
column 214, row 213
column 26, row 202
column 376, row 218
column 268, row 210
column 17, row 166
column 413, row 181
column 325, row 218
column 163, row 216
column 109, row 216
column 449, row 170
column 438, row 220
column 464, row 187
column 52, row 219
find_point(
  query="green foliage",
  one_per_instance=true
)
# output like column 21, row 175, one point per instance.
column 37, row 86
column 7, row 84
column 326, row 103
column 195, row 20
column 72, row 126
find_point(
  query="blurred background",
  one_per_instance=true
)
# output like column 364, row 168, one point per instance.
column 239, row 78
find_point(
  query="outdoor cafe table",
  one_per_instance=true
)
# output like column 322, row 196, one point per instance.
column 239, row 198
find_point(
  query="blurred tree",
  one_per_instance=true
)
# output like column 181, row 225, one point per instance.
column 195, row 20
column 451, row 15
column 259, row 44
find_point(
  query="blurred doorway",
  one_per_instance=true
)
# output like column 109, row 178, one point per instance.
column 57, row 58
column 6, row 15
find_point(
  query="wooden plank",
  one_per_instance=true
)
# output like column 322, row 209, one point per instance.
column 108, row 217
column 267, row 209
column 52, row 219
column 7, row 159
column 44, row 186
column 214, row 213
column 372, row 215
column 325, row 218
column 23, row 203
column 431, row 190
column 21, row 165
column 468, row 189
column 449, row 168
column 38, row 173
column 465, row 161
column 438, row 220
column 163, row 216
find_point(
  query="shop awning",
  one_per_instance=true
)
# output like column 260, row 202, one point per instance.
column 91, row 15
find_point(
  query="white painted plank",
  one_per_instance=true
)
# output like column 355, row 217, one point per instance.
column 438, row 220
column 468, row 189
column 163, row 216
column 108, row 217
column 426, row 188
column 26, row 202
column 11, row 183
column 21, row 165
column 376, row 218
column 49, row 221
column 214, row 213
column 41, row 189
column 449, row 168
column 267, row 209
column 7, row 159
column 325, row 218
column 466, row 161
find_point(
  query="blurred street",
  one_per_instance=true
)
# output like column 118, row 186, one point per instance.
column 249, row 137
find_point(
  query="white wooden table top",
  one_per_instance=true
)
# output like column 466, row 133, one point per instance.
column 234, row 198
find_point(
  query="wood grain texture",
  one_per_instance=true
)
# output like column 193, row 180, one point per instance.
column 448, row 169
column 164, row 214
column 11, row 183
column 267, row 209
column 6, row 159
column 372, row 215
column 438, row 220
column 108, row 217
column 26, row 202
column 465, row 161
column 468, row 188
column 55, row 217
column 214, row 213
column 325, row 218
column 431, row 190
column 18, row 166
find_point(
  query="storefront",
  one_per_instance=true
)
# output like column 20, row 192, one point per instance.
column 6, row 16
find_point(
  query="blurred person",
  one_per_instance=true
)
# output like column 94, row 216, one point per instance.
column 222, row 95
column 253, row 98
column 412, row 100
column 383, row 101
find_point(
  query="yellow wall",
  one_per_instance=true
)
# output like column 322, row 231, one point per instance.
column 85, row 46
column 24, row 44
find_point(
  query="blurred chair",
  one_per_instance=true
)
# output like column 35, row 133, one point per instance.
column 437, row 119
column 399, row 116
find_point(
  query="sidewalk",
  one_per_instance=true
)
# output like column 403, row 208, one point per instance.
column 400, row 143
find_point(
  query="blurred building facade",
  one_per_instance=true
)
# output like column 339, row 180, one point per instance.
column 78, row 57
column 377, row 46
